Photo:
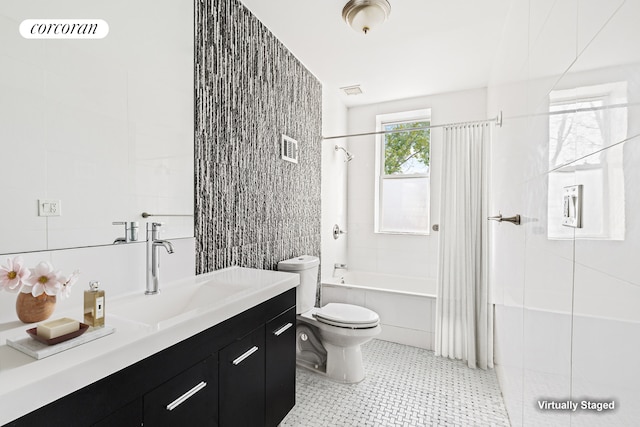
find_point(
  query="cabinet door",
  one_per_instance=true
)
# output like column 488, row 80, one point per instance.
column 189, row 399
column 128, row 416
column 280, row 366
column 241, row 373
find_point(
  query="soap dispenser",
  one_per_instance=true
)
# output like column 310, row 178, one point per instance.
column 94, row 305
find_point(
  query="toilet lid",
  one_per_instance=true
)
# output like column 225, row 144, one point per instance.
column 347, row 316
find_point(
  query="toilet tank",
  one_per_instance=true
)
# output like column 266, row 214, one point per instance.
column 307, row 267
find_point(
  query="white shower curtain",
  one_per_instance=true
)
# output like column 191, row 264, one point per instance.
column 464, row 315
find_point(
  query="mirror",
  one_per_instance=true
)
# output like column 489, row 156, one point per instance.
column 96, row 130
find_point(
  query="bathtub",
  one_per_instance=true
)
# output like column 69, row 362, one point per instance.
column 406, row 305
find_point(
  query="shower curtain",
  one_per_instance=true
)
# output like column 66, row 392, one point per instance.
column 464, row 315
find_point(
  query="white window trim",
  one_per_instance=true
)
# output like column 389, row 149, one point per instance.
column 381, row 119
column 611, row 94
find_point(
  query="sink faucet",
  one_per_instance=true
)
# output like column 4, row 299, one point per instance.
column 153, row 258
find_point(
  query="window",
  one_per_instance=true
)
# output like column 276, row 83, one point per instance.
column 403, row 173
column 583, row 122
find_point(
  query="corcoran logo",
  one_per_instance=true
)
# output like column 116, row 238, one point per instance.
column 64, row 29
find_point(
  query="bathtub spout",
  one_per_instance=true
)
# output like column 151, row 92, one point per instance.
column 338, row 266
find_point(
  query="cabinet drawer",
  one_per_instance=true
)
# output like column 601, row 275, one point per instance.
column 189, row 399
column 241, row 373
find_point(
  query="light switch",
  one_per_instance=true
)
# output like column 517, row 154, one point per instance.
column 572, row 206
column 49, row 207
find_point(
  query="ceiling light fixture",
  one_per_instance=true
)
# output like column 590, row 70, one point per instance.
column 352, row 90
column 363, row 15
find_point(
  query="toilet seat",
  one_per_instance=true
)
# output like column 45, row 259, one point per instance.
column 347, row 316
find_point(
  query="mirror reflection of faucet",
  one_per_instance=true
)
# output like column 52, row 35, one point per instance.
column 130, row 232
column 153, row 257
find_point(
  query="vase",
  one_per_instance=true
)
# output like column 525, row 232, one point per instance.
column 32, row 309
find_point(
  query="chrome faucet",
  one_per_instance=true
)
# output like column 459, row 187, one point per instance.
column 130, row 232
column 338, row 266
column 153, row 257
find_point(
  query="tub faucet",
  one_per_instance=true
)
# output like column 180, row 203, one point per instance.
column 339, row 266
column 153, row 257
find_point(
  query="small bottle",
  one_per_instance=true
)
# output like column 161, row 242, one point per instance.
column 94, row 305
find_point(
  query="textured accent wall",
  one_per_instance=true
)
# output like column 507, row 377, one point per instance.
column 252, row 209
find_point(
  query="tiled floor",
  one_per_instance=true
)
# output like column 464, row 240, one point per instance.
column 405, row 386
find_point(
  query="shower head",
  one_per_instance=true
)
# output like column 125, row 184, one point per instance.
column 348, row 156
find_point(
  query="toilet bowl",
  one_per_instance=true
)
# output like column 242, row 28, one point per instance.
column 329, row 338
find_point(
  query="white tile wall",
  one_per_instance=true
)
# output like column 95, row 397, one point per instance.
column 393, row 254
column 99, row 125
column 567, row 301
column 334, row 184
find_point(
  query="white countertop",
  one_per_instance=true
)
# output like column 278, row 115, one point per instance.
column 27, row 384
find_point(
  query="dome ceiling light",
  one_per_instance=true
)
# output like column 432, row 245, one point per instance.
column 364, row 15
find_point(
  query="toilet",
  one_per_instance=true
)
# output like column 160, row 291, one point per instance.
column 328, row 339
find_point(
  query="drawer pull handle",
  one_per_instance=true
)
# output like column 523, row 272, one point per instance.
column 245, row 355
column 179, row 401
column 281, row 330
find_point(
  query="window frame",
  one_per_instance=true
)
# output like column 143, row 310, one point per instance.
column 383, row 120
column 612, row 228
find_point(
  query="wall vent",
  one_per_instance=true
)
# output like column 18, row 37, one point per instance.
column 289, row 149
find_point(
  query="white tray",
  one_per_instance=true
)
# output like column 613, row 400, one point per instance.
column 39, row 350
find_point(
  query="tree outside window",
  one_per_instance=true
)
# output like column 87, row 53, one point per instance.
column 403, row 177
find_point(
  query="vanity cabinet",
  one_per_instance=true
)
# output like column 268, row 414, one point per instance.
column 280, row 379
column 128, row 416
column 214, row 378
column 185, row 400
column 242, row 375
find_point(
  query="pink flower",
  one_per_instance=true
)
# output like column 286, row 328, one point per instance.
column 65, row 291
column 43, row 279
column 13, row 276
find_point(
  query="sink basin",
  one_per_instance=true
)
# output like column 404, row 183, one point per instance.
column 173, row 305
column 190, row 298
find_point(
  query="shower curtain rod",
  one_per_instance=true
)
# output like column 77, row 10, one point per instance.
column 497, row 120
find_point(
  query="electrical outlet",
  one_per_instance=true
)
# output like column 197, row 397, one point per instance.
column 49, row 207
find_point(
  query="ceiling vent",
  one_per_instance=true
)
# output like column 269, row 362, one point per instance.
column 352, row 90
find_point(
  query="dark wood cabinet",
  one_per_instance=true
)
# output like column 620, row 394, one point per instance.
column 127, row 416
column 185, row 400
column 212, row 378
column 242, row 376
column 280, row 367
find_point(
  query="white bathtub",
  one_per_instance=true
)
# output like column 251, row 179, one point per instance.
column 406, row 305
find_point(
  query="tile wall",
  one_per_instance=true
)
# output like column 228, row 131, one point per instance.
column 404, row 255
column 567, row 78
column 105, row 126
column 252, row 208
column 334, row 183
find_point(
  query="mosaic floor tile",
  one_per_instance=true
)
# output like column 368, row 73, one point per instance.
column 405, row 386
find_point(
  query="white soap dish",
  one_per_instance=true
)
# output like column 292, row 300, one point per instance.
column 40, row 350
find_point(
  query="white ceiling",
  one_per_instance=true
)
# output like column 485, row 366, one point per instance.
column 426, row 46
